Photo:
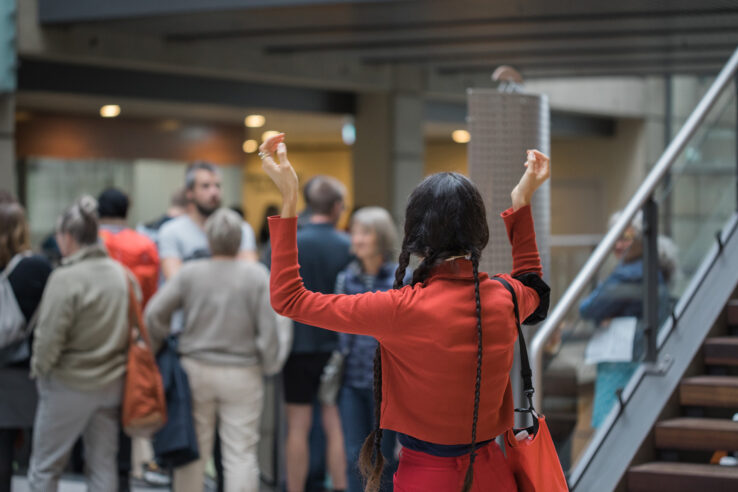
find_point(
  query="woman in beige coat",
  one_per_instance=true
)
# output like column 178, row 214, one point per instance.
column 79, row 356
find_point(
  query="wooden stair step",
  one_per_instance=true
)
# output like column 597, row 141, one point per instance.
column 682, row 477
column 709, row 391
column 721, row 351
column 697, row 434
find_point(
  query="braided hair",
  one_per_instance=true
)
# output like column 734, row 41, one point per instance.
column 445, row 217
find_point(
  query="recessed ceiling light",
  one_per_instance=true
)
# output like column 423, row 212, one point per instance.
column 250, row 146
column 110, row 111
column 254, row 121
column 461, row 136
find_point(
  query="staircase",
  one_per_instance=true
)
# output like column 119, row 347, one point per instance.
column 690, row 445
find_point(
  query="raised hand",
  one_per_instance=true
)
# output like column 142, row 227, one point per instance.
column 538, row 170
column 281, row 172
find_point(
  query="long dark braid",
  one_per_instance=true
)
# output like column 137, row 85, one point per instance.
column 445, row 217
column 371, row 460
column 469, row 478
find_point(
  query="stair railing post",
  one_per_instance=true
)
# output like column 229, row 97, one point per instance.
column 651, row 276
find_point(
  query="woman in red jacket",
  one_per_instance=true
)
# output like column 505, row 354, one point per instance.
column 452, row 326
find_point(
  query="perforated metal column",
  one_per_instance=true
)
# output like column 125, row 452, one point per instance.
column 503, row 126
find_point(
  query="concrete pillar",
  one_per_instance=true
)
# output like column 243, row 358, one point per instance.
column 503, row 126
column 389, row 148
column 8, row 179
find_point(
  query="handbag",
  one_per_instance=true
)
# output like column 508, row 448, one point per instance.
column 533, row 460
column 144, row 409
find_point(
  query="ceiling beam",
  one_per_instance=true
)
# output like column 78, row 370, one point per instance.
column 202, row 32
column 73, row 11
column 33, row 75
column 584, row 33
column 595, row 48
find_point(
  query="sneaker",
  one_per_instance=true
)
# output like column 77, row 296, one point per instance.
column 153, row 475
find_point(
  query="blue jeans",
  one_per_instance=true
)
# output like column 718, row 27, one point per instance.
column 356, row 406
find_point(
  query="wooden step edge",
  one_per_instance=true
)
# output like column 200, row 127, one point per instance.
column 696, row 434
column 681, row 477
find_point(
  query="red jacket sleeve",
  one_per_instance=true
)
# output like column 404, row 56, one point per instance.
column 364, row 314
column 522, row 236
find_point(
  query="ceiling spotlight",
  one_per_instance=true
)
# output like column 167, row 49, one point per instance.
column 460, row 136
column 268, row 134
column 250, row 146
column 110, row 111
column 254, row 121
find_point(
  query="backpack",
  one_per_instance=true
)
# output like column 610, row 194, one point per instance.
column 13, row 325
column 137, row 253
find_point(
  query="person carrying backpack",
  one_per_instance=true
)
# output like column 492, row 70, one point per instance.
column 134, row 250
column 22, row 283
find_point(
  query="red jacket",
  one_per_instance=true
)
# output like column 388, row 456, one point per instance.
column 427, row 334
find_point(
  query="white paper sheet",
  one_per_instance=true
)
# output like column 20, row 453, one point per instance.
column 612, row 343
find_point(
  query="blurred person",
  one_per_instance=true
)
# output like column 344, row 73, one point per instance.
column 239, row 210
column 183, row 238
column 138, row 253
column 324, row 251
column 429, row 382
column 27, row 275
column 269, row 211
column 621, row 295
column 230, row 337
column 132, row 249
column 177, row 207
column 79, row 355
column 373, row 239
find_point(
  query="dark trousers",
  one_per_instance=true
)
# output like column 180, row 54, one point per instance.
column 7, row 445
column 124, row 461
column 357, row 419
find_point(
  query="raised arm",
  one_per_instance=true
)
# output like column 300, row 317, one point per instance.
column 532, row 292
column 365, row 314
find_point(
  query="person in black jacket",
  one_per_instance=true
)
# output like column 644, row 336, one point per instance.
column 27, row 281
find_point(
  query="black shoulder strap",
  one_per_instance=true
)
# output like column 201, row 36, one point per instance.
column 525, row 370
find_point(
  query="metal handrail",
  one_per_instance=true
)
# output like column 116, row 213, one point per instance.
column 644, row 192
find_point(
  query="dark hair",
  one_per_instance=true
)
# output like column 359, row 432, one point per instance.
column 14, row 234
column 112, row 203
column 198, row 166
column 445, row 217
column 322, row 193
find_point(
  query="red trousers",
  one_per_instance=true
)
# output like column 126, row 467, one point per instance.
column 421, row 472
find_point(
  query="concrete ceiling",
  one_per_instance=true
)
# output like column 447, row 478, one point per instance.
column 542, row 38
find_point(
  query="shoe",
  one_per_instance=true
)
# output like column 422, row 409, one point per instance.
column 153, row 475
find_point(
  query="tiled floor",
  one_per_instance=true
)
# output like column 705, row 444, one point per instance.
column 77, row 484
column 73, row 484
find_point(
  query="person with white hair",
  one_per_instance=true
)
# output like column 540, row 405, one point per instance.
column 373, row 242
column 229, row 341
column 79, row 355
column 621, row 296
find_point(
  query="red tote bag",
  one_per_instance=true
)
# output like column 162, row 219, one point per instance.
column 533, row 460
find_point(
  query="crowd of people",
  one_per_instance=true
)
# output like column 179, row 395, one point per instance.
column 381, row 365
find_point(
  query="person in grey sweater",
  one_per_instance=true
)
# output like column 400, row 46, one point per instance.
column 229, row 341
column 79, row 356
